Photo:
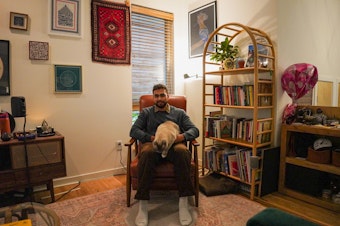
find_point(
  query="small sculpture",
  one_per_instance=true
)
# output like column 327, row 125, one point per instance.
column 5, row 136
column 320, row 117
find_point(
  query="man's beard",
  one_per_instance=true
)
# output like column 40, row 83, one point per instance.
column 161, row 104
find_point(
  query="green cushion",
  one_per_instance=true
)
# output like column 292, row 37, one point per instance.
column 272, row 216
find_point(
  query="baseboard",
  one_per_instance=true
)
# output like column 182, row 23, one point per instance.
column 89, row 176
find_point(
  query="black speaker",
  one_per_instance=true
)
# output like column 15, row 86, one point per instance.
column 18, row 106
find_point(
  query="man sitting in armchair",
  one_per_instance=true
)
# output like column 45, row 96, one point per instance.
column 144, row 130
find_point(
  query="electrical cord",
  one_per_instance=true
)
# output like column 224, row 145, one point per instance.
column 30, row 189
column 121, row 161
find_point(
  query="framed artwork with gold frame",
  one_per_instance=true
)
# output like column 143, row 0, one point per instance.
column 18, row 21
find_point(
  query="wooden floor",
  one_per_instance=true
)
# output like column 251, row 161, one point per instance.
column 300, row 208
column 84, row 188
column 294, row 206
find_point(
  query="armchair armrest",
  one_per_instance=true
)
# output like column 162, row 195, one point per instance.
column 193, row 147
column 129, row 144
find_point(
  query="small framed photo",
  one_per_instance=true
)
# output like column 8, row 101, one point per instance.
column 202, row 22
column 18, row 21
column 64, row 18
column 38, row 50
column 68, row 78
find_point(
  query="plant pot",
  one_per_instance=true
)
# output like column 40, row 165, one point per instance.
column 228, row 64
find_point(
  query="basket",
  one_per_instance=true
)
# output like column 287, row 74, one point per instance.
column 336, row 157
column 323, row 156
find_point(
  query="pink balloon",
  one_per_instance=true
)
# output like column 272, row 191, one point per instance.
column 298, row 79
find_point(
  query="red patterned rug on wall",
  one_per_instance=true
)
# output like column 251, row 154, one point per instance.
column 109, row 208
column 110, row 32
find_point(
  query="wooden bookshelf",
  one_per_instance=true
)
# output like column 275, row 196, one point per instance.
column 247, row 92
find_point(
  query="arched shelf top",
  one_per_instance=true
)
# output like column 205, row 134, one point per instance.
column 234, row 30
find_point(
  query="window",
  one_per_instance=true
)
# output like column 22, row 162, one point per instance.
column 152, row 50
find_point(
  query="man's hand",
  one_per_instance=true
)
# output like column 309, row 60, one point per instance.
column 179, row 138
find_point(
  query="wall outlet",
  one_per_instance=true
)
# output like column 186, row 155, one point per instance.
column 119, row 145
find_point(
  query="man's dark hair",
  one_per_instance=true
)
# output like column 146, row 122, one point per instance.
column 159, row 86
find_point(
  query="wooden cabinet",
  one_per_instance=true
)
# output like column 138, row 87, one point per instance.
column 254, row 88
column 46, row 161
column 303, row 179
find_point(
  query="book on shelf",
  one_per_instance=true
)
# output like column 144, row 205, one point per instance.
column 210, row 125
column 215, row 113
column 218, row 94
column 245, row 129
column 210, row 158
column 233, row 166
column 265, row 101
column 218, row 126
column 219, row 161
column 265, row 88
column 264, row 131
column 225, row 128
column 251, row 95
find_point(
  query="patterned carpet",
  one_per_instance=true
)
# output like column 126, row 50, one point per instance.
column 109, row 208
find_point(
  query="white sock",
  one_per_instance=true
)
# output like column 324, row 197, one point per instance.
column 142, row 216
column 184, row 214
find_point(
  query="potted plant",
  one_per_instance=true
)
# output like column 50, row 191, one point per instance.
column 226, row 54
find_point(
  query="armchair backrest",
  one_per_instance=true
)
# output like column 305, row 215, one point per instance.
column 176, row 101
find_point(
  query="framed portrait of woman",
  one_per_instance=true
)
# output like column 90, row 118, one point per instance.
column 202, row 22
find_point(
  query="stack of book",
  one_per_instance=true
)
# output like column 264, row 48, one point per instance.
column 238, row 95
column 232, row 127
column 233, row 161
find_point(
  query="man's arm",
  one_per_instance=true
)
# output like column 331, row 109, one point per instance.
column 138, row 128
column 190, row 131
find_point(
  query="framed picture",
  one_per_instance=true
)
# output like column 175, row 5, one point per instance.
column 65, row 18
column 68, row 78
column 18, row 21
column 4, row 68
column 38, row 50
column 202, row 22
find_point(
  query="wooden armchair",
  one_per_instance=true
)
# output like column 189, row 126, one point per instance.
column 165, row 176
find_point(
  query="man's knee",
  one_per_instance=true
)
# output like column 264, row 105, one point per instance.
column 182, row 150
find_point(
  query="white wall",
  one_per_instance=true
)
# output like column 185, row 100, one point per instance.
column 93, row 120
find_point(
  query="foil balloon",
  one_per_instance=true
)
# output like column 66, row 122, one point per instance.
column 298, row 79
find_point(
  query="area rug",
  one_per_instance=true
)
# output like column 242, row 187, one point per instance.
column 110, row 32
column 109, row 208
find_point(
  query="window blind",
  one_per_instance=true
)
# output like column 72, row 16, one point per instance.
column 152, row 50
